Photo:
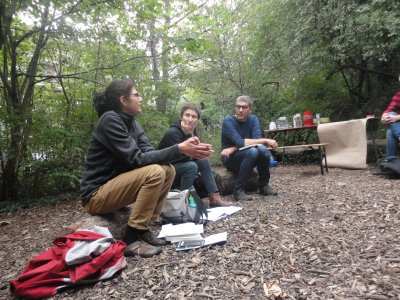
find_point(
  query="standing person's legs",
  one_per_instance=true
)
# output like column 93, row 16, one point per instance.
column 186, row 172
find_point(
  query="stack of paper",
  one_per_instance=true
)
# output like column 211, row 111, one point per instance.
column 218, row 213
column 181, row 232
column 218, row 238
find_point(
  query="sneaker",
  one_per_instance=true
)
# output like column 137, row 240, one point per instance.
column 240, row 194
column 141, row 249
column 266, row 190
column 150, row 239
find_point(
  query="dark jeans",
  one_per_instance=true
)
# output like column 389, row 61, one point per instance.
column 243, row 162
column 186, row 173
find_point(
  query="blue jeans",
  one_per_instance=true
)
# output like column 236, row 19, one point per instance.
column 243, row 163
column 392, row 143
column 186, row 173
column 392, row 138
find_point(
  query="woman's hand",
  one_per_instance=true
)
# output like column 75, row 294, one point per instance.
column 193, row 148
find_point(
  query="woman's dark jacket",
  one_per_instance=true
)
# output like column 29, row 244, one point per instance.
column 173, row 136
column 118, row 145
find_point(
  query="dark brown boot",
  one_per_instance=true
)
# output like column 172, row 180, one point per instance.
column 216, row 200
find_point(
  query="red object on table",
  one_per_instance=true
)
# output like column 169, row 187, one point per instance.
column 308, row 118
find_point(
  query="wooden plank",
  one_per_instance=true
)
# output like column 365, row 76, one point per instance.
column 304, row 146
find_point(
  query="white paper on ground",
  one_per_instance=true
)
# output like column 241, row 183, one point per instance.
column 210, row 240
column 180, row 229
column 179, row 238
column 216, row 238
column 217, row 213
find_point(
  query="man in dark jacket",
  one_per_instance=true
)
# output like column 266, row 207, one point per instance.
column 122, row 167
column 187, row 168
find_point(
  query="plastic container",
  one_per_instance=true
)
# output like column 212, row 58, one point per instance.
column 282, row 123
column 297, row 122
column 317, row 119
column 308, row 118
column 192, row 203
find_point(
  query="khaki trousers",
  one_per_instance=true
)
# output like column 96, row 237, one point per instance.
column 146, row 188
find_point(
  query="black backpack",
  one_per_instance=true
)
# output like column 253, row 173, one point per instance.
column 391, row 165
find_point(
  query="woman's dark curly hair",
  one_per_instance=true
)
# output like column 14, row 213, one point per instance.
column 109, row 99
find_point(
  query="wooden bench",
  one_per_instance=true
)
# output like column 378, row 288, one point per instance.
column 321, row 150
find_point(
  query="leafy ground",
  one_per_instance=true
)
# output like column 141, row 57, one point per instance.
column 324, row 237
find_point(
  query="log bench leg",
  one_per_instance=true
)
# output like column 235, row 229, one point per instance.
column 322, row 158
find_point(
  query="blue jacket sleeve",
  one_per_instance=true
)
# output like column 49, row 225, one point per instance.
column 255, row 128
column 230, row 136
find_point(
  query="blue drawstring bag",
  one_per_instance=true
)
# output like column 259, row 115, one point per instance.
column 272, row 161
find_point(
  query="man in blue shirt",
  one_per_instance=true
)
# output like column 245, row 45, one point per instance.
column 240, row 130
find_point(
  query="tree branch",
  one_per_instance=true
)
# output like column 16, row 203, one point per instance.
column 366, row 70
column 73, row 75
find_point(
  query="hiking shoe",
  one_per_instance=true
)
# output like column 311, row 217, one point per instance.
column 240, row 194
column 141, row 249
column 216, row 200
column 266, row 190
column 150, row 239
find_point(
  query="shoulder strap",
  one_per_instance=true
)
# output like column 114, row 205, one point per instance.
column 201, row 206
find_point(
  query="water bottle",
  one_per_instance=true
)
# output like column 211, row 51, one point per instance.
column 297, row 122
column 192, row 203
column 318, row 118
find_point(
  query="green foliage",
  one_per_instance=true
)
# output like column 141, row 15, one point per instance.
column 154, row 124
column 338, row 58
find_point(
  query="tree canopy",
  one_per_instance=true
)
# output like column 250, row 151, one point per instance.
column 339, row 58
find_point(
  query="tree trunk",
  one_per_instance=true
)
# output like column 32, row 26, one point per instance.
column 19, row 102
column 154, row 63
column 164, row 94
